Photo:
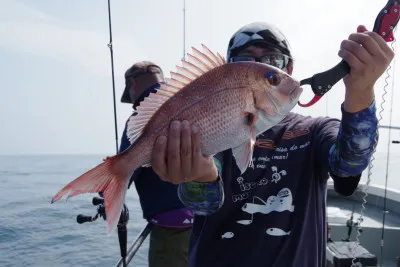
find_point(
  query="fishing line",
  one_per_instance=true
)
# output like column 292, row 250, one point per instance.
column 371, row 165
column 384, row 211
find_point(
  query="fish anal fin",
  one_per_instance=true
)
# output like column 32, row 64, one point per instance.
column 243, row 153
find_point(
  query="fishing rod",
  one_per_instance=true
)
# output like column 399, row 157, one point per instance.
column 135, row 245
column 391, row 128
column 99, row 201
column 124, row 261
column 124, row 217
column 110, row 45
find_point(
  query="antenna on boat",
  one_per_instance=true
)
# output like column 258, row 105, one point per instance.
column 184, row 29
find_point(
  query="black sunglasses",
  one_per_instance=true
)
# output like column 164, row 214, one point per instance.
column 277, row 60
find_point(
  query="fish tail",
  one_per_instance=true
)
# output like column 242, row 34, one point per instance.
column 110, row 177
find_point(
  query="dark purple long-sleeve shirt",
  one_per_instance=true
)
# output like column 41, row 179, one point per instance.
column 274, row 213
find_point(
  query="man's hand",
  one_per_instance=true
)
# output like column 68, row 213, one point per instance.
column 179, row 158
column 368, row 55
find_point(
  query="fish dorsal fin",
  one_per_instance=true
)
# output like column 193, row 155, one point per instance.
column 191, row 69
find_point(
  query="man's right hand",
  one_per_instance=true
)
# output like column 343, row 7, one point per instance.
column 179, row 158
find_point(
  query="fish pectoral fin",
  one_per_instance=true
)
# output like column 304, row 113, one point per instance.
column 243, row 154
column 250, row 118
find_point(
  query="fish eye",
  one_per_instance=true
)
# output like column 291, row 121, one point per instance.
column 273, row 78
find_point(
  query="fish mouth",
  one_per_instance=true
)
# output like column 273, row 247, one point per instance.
column 294, row 93
column 291, row 91
column 289, row 101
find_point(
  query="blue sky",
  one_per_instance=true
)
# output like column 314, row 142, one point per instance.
column 55, row 72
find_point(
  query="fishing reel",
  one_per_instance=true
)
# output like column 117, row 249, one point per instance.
column 101, row 212
column 350, row 224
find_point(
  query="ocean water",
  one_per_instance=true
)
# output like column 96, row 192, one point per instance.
column 34, row 232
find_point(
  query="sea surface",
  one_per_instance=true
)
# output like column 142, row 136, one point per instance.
column 34, row 232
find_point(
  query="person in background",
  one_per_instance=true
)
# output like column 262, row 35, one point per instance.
column 172, row 222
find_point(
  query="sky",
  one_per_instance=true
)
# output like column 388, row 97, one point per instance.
column 55, row 71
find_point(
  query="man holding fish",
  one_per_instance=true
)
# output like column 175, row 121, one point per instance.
column 256, row 218
column 254, row 173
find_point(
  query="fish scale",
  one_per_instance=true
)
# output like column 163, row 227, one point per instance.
column 219, row 97
column 216, row 115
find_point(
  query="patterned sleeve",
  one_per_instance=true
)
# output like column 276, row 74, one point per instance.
column 203, row 198
column 355, row 143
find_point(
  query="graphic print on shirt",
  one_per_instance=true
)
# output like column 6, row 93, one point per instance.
column 281, row 154
column 271, row 168
column 269, row 163
column 187, row 221
column 227, row 235
column 277, row 176
column 279, row 203
column 276, row 232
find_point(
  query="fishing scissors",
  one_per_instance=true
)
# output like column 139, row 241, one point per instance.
column 322, row 82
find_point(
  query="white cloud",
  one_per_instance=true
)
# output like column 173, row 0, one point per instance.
column 16, row 11
column 27, row 30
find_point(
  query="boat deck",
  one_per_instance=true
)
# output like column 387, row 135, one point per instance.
column 339, row 211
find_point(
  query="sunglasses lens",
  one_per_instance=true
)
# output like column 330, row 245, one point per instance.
column 276, row 60
column 242, row 58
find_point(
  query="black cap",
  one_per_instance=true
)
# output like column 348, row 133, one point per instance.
column 138, row 69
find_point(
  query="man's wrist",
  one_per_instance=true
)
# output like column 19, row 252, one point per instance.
column 357, row 100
